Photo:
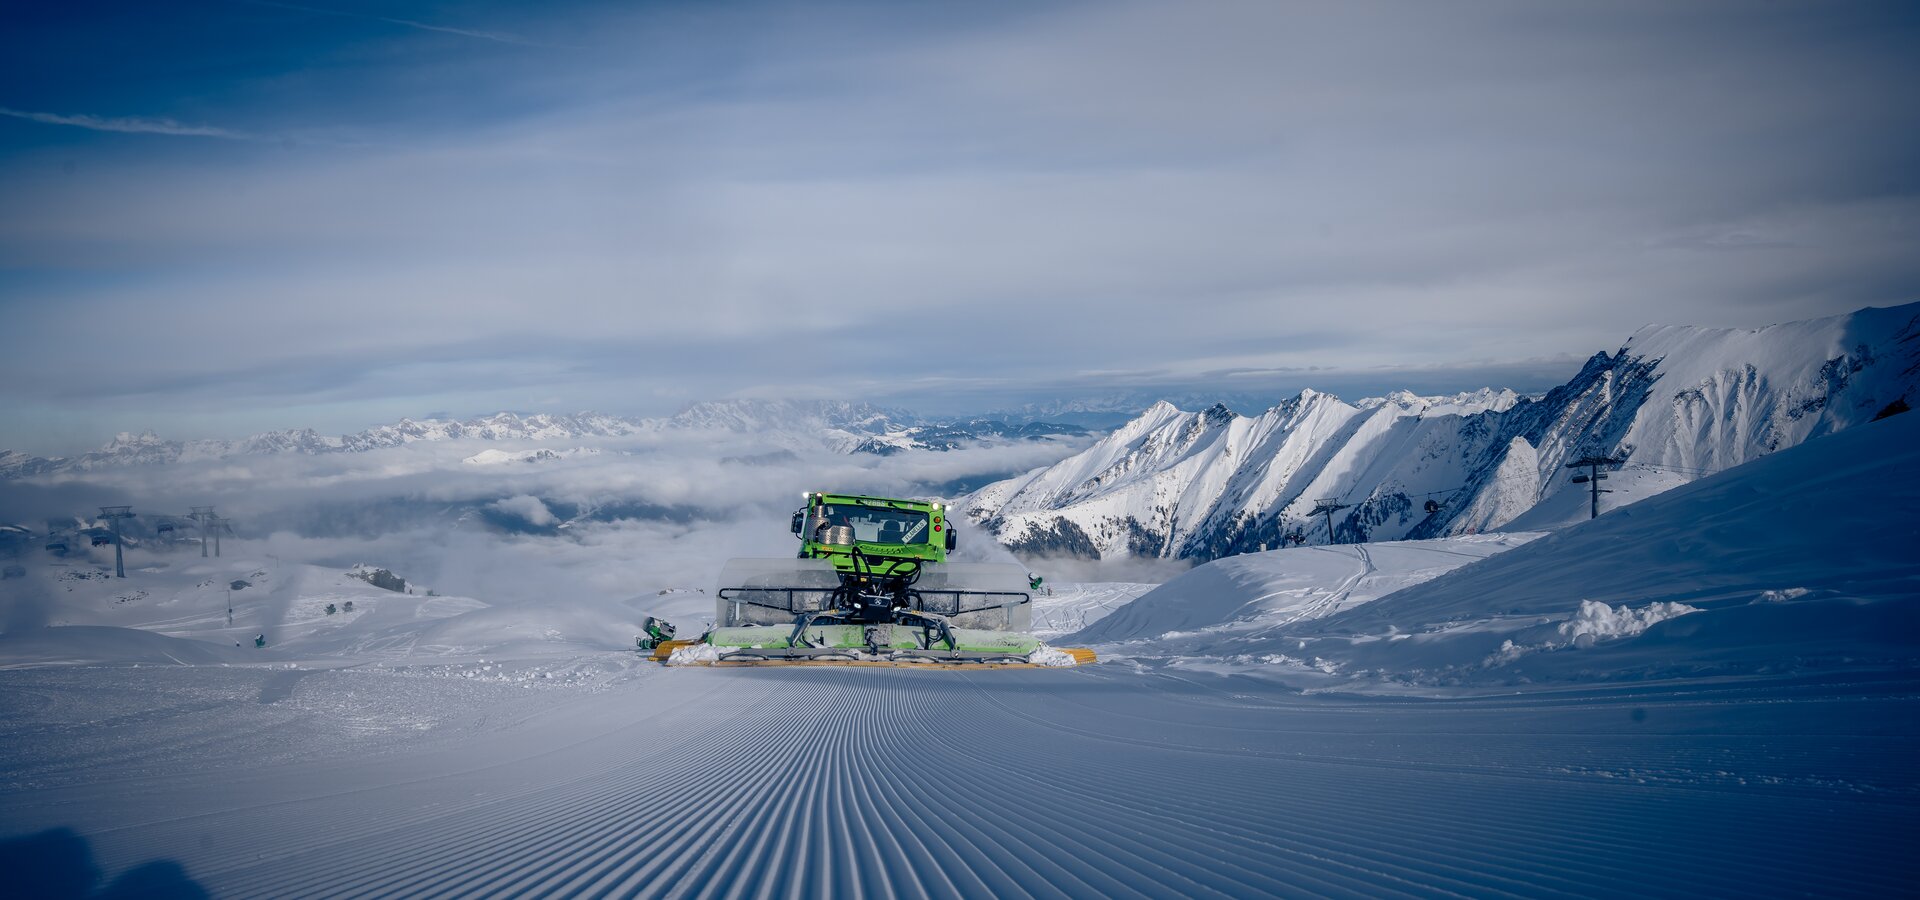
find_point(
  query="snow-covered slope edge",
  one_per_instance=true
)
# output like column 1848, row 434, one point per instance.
column 1799, row 563
column 1239, row 609
column 1678, row 402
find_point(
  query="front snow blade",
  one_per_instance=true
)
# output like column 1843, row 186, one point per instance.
column 760, row 604
column 868, row 645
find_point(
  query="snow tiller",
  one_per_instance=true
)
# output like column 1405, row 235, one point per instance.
column 871, row 586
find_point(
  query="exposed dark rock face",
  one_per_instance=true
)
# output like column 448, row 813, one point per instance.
column 381, row 578
column 1066, row 539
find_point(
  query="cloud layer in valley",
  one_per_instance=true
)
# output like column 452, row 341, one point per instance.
column 648, row 512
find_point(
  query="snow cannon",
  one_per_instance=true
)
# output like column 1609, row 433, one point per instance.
column 871, row 585
column 658, row 631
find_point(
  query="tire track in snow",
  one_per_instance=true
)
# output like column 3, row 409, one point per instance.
column 770, row 783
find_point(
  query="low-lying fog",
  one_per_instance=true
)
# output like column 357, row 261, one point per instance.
column 629, row 515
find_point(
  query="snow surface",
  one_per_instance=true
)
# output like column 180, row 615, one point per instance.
column 1068, row 607
column 1051, row 657
column 1598, row 620
column 185, row 607
column 694, row 655
column 611, row 776
column 1404, row 718
column 1241, row 609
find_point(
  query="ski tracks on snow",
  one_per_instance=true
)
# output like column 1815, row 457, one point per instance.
column 1328, row 602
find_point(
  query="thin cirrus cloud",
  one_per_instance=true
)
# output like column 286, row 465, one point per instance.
column 497, row 37
column 130, row 125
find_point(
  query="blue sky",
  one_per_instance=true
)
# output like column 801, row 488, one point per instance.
column 222, row 218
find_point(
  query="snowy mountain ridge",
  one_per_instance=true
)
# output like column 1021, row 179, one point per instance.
column 1700, row 581
column 843, row 427
column 1465, row 402
column 147, row 448
column 1676, row 402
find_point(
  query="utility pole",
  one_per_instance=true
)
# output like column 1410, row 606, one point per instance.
column 201, row 514
column 1593, row 477
column 1328, row 508
column 113, row 515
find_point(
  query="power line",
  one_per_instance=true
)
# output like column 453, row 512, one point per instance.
column 1685, row 470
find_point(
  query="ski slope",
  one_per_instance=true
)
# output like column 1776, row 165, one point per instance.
column 1069, row 607
column 1493, row 715
column 403, row 781
column 1243, row 609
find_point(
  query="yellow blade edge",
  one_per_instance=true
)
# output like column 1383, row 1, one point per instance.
column 665, row 649
column 1081, row 657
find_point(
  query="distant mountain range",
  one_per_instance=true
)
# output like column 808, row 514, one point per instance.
column 1675, row 402
column 838, row 426
column 1106, row 411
